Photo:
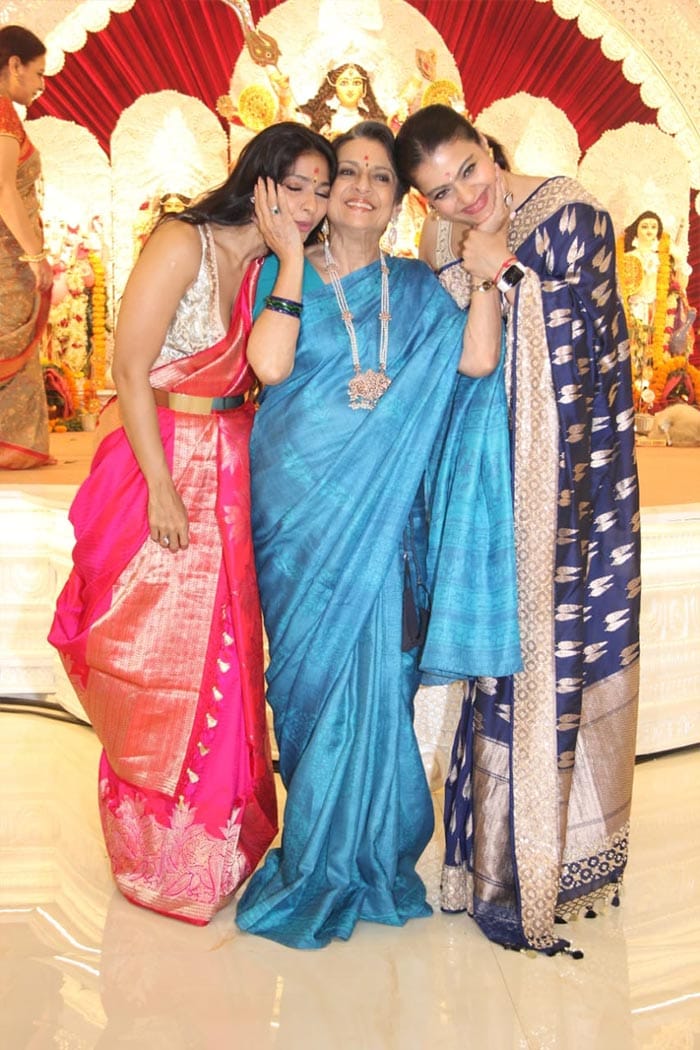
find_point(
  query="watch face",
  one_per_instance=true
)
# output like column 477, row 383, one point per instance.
column 511, row 276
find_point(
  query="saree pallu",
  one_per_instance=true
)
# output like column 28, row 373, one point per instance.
column 24, row 420
column 333, row 492
column 165, row 650
column 538, row 796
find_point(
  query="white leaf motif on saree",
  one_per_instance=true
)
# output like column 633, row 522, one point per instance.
column 622, row 554
column 615, row 620
column 594, row 652
column 569, row 393
column 568, row 611
column 600, row 585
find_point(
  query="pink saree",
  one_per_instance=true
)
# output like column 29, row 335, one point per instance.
column 165, row 650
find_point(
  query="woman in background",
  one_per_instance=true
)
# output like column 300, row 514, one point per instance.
column 538, row 797
column 159, row 625
column 25, row 275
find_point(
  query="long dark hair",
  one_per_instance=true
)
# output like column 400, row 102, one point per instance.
column 271, row 154
column 431, row 127
column 631, row 230
column 16, row 40
column 377, row 132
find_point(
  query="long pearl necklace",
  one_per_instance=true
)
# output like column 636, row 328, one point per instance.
column 365, row 388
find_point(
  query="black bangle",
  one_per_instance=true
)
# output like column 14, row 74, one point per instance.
column 290, row 307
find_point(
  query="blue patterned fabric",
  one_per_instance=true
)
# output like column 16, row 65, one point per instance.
column 333, row 492
column 538, row 797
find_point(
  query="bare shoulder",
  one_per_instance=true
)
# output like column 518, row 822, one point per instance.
column 178, row 243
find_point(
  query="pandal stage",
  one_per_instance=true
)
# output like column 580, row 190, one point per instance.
column 36, row 540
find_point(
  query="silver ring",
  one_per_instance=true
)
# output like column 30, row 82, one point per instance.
column 165, row 542
column 275, row 210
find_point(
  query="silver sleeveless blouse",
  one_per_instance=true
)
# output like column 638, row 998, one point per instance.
column 450, row 272
column 197, row 321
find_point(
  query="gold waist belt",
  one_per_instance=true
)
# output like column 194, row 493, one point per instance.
column 198, row 406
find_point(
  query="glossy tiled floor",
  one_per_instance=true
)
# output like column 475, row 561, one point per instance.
column 80, row 968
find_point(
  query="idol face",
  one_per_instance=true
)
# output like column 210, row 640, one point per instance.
column 350, row 87
column 363, row 195
column 647, row 232
column 308, row 185
column 459, row 180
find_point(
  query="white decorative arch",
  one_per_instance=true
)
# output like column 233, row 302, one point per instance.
column 628, row 189
column 75, row 169
column 165, row 143
column 658, row 45
column 63, row 25
column 538, row 137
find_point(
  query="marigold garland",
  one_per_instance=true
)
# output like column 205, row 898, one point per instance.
column 662, row 370
column 98, row 296
column 660, row 338
column 663, row 283
column 664, row 314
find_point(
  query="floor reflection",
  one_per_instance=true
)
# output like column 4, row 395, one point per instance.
column 82, row 968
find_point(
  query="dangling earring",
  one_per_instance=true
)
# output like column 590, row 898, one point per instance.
column 508, row 198
column 325, row 230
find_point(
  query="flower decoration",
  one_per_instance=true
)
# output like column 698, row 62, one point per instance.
column 444, row 92
column 76, row 342
column 98, row 358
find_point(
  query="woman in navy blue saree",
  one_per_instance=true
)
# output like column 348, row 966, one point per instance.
column 537, row 801
column 345, row 458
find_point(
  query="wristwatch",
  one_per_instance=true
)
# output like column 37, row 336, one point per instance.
column 510, row 276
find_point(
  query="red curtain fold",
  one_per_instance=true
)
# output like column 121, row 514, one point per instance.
column 500, row 47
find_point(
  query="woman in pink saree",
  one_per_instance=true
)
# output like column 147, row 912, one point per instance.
column 159, row 624
column 25, row 275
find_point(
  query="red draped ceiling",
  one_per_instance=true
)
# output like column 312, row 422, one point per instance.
column 500, row 46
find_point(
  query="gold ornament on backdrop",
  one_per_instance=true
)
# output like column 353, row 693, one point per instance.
column 257, row 107
column 262, row 48
column 442, row 92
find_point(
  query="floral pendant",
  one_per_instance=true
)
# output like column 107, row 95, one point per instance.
column 365, row 388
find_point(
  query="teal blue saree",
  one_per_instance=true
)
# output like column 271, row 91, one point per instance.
column 342, row 500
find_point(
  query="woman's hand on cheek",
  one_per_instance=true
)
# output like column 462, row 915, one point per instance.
column 500, row 216
column 275, row 221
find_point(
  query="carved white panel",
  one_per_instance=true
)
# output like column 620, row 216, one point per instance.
column 36, row 540
column 669, row 702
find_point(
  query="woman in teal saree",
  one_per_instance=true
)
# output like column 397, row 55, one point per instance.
column 345, row 461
